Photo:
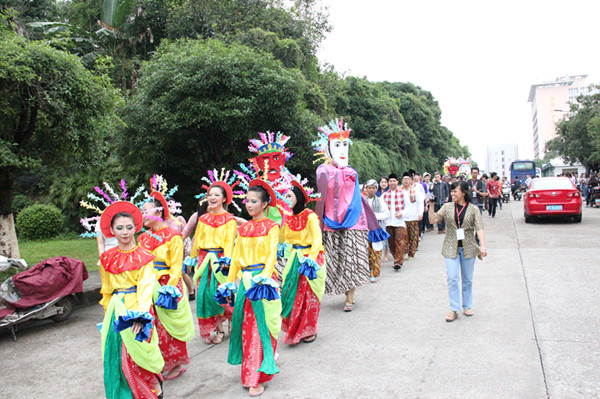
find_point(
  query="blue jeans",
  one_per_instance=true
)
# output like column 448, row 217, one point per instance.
column 466, row 267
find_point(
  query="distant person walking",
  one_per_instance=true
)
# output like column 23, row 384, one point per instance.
column 460, row 248
column 493, row 188
column 478, row 189
column 414, row 200
column 382, row 213
column 395, row 225
column 441, row 194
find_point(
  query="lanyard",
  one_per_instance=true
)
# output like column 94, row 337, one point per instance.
column 459, row 213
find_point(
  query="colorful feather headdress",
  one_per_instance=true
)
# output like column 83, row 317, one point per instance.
column 309, row 192
column 270, row 142
column 227, row 176
column 247, row 174
column 335, row 129
column 101, row 200
column 159, row 185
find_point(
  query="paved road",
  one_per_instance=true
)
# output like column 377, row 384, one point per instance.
column 535, row 333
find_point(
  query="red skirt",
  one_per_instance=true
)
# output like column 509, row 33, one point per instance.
column 252, row 350
column 140, row 381
column 302, row 322
column 173, row 350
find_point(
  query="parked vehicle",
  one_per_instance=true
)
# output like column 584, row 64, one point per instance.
column 552, row 196
column 45, row 291
column 594, row 194
column 521, row 168
column 506, row 193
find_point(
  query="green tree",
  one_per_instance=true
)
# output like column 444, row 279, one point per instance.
column 198, row 103
column 51, row 111
column 578, row 137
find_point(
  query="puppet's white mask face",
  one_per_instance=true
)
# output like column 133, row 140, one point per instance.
column 338, row 151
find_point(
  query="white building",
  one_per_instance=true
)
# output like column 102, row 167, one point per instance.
column 550, row 102
column 559, row 166
column 500, row 157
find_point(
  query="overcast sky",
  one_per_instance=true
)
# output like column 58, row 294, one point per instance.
column 477, row 58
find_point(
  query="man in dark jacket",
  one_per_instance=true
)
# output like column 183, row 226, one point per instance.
column 441, row 193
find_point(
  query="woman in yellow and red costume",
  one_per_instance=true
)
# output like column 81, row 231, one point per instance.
column 304, row 274
column 130, row 352
column 257, row 312
column 174, row 320
column 213, row 247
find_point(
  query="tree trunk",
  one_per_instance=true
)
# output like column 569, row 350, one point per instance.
column 9, row 246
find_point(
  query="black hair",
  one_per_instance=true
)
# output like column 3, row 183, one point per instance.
column 464, row 188
column 202, row 208
column 263, row 193
column 493, row 174
column 475, row 168
column 300, row 200
column 383, row 178
column 121, row 215
column 158, row 204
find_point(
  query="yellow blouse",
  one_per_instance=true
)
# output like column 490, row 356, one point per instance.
column 122, row 270
column 304, row 229
column 256, row 243
column 168, row 253
column 215, row 231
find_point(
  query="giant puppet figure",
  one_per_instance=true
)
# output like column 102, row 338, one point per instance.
column 348, row 222
column 269, row 164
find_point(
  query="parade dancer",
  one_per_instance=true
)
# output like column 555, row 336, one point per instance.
column 174, row 319
column 304, row 273
column 257, row 312
column 211, row 253
column 130, row 352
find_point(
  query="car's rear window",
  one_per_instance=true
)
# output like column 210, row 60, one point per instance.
column 551, row 184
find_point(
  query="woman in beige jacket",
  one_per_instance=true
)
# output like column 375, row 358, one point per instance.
column 460, row 247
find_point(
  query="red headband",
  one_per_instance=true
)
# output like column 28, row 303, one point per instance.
column 345, row 134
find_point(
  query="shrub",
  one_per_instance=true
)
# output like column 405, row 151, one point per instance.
column 19, row 203
column 39, row 222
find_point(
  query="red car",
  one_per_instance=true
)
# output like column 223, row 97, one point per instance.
column 552, row 196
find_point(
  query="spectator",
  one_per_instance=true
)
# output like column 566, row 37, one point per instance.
column 427, row 181
column 414, row 199
column 528, row 181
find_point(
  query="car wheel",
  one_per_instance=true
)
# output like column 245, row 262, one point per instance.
column 528, row 218
column 577, row 218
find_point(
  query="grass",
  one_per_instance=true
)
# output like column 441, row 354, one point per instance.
column 84, row 249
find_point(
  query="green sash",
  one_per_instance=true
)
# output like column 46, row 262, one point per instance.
column 206, row 306
column 266, row 327
column 290, row 284
column 179, row 322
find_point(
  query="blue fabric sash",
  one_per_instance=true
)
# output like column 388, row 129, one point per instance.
column 130, row 290
column 301, row 246
column 352, row 213
column 212, row 250
column 257, row 266
column 161, row 266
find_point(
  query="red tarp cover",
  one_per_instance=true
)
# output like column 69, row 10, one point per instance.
column 52, row 278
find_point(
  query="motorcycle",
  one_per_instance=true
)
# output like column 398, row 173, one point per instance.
column 594, row 195
column 47, row 290
column 518, row 193
column 506, row 194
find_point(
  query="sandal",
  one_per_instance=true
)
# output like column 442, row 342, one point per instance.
column 217, row 339
column 453, row 315
column 181, row 371
column 468, row 312
column 310, row 340
column 397, row 266
column 258, row 391
column 348, row 308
